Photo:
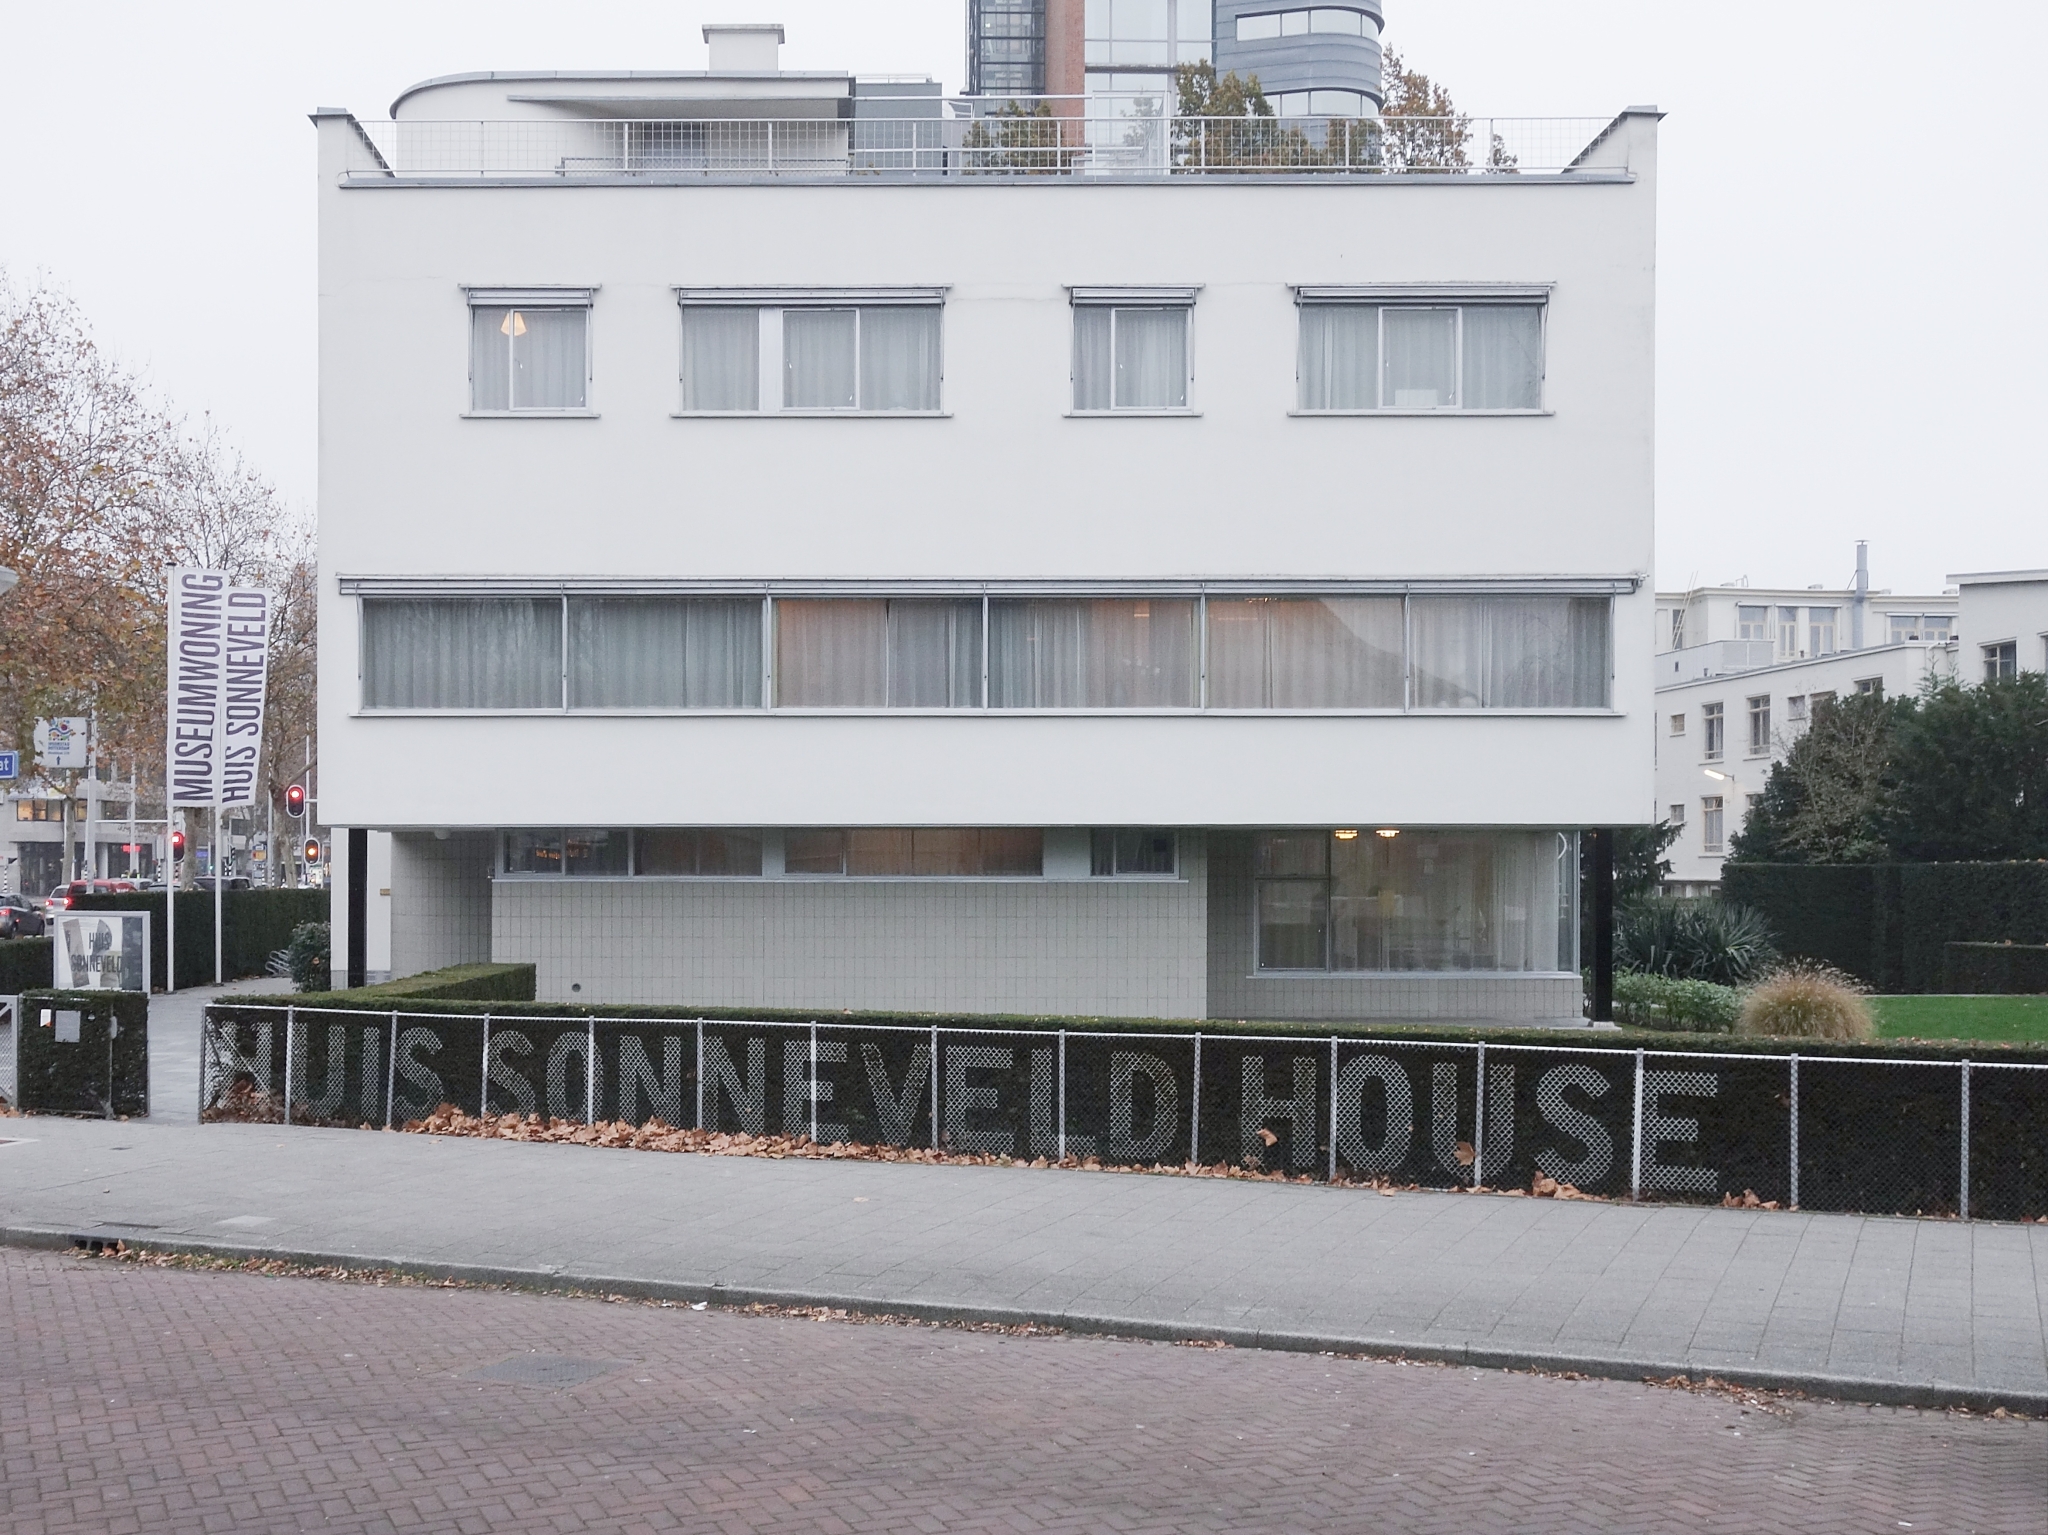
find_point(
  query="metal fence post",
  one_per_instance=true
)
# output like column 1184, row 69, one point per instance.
column 391, row 1076
column 483, row 1092
column 700, row 1073
column 1195, row 1107
column 590, row 1078
column 1479, row 1119
column 1063, row 1096
column 1963, row 1198
column 1333, row 1108
column 811, row 1086
column 290, row 1018
column 1795, row 1133
column 1635, row 1168
column 935, row 1087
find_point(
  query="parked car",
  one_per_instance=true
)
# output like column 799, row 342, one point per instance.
column 20, row 917
column 234, row 882
column 79, row 887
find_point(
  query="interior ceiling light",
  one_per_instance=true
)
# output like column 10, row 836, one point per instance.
column 1386, row 831
column 515, row 325
column 1347, row 834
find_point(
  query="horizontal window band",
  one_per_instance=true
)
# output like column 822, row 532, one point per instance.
column 914, row 586
column 531, row 298
column 798, row 413
column 1172, row 297
column 1423, row 293
column 995, row 711
column 805, row 298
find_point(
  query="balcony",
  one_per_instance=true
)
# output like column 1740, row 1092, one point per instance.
column 1717, row 658
column 1052, row 137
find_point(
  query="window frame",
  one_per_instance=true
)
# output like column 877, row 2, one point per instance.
column 538, row 298
column 1759, row 715
column 1713, row 732
column 1453, row 296
column 368, row 590
column 2001, row 659
column 1713, row 823
column 769, row 380
column 1114, row 299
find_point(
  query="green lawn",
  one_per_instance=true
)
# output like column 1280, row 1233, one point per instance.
column 2004, row 1018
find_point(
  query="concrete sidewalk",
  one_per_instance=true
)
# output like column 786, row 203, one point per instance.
column 1872, row 1308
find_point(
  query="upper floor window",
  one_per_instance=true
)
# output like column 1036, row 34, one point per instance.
column 1146, row 33
column 878, row 653
column 1712, row 723
column 749, row 353
column 1321, row 18
column 1678, row 724
column 1820, row 631
column 1752, row 622
column 1760, row 724
column 529, row 350
column 1131, row 349
column 2000, row 660
column 1788, row 631
column 1358, row 356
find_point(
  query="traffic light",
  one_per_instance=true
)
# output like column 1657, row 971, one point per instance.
column 295, row 800
column 177, row 846
column 312, row 851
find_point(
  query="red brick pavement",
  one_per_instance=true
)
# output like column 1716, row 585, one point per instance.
column 135, row 1398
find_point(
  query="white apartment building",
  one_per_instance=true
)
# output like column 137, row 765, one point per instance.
column 2002, row 624
column 778, row 554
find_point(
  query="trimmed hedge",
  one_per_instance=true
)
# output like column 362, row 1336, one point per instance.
column 1995, row 969
column 1659, row 1002
column 258, row 923
column 456, row 983
column 104, row 1073
column 1890, row 925
column 383, row 998
column 25, row 964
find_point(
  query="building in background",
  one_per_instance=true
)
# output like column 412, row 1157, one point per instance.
column 2001, row 624
column 1310, row 59
column 1006, row 47
column 676, row 633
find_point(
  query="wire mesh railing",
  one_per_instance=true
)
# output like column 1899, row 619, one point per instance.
column 1819, row 1132
column 1092, row 139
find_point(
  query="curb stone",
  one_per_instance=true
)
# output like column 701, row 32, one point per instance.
column 1847, row 1388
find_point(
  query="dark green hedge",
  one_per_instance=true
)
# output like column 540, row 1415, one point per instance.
column 457, row 983
column 258, row 924
column 24, row 964
column 105, row 1073
column 385, row 998
column 1996, row 969
column 1889, row 925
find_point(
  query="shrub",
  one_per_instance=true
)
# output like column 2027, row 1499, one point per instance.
column 1693, row 940
column 1805, row 1000
column 1660, row 1002
column 308, row 956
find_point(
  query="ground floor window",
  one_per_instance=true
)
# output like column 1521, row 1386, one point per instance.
column 1412, row 899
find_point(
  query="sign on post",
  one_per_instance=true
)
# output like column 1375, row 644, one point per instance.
column 102, row 951
column 10, row 765
column 64, row 743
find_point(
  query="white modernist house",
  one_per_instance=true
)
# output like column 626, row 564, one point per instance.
column 783, row 546
column 2002, row 628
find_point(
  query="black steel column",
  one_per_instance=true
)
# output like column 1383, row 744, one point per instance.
column 359, row 905
column 1602, row 873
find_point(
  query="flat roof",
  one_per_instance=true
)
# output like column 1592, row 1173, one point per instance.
column 477, row 76
column 1994, row 577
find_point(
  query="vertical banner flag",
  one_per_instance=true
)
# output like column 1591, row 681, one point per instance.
column 219, row 649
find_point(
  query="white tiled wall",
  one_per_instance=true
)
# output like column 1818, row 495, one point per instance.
column 440, row 900
column 1236, row 991
column 1118, row 947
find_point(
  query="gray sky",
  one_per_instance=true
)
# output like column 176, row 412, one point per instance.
column 1851, row 315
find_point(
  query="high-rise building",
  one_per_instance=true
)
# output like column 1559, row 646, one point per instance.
column 1315, row 60
column 1006, row 47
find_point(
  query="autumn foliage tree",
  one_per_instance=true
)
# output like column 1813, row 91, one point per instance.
column 101, row 491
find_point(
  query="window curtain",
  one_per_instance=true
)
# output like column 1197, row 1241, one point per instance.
column 664, row 653
column 462, row 653
column 1092, row 372
column 1151, row 359
column 912, row 653
column 721, row 359
column 818, row 359
column 1102, row 654
column 490, row 360
column 1510, row 652
column 1435, row 901
column 685, row 850
column 1305, row 653
column 1420, row 358
column 1503, row 357
column 1340, row 349
column 899, row 358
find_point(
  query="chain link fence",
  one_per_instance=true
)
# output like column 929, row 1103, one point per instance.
column 1818, row 1132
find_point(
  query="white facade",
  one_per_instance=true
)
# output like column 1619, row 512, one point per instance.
column 2002, row 628
column 995, row 494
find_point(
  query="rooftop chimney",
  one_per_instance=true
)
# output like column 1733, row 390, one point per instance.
column 1862, row 602
column 745, row 48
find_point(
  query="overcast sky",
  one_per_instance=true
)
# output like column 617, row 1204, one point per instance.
column 1851, row 311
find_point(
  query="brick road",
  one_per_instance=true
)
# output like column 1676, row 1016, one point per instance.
column 136, row 1398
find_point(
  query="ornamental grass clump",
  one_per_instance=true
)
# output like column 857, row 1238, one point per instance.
column 1805, row 1000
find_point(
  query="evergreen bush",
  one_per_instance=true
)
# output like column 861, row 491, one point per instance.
column 1693, row 940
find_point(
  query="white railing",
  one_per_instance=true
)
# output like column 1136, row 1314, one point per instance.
column 1096, row 138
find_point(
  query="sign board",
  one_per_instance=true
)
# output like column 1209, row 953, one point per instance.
column 219, row 649
column 64, row 743
column 102, row 951
column 10, row 764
